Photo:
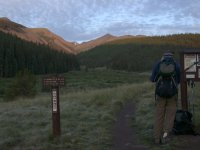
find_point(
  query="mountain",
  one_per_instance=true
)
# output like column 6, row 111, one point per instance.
column 137, row 53
column 46, row 37
column 36, row 35
column 93, row 43
column 99, row 41
column 17, row 54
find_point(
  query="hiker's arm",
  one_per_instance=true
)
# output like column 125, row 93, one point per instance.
column 154, row 75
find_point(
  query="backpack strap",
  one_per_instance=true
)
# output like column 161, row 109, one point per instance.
column 173, row 80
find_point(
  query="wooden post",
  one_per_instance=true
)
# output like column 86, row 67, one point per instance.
column 55, row 111
column 55, row 82
column 183, row 84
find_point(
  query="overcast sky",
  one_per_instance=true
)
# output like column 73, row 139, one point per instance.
column 81, row 20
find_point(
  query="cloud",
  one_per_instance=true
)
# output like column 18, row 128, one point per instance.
column 85, row 19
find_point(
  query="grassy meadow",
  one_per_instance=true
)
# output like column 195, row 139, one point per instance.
column 89, row 103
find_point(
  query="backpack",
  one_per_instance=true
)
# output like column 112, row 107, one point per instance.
column 167, row 67
column 166, row 86
column 183, row 123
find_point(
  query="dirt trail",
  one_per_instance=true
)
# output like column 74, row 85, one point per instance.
column 187, row 142
column 124, row 135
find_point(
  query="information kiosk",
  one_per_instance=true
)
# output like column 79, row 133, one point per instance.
column 190, row 72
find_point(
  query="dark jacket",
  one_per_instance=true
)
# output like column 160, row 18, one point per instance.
column 155, row 73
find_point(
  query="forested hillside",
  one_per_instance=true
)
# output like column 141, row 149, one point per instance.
column 17, row 54
column 138, row 53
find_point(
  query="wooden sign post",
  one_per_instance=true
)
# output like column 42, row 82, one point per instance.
column 55, row 82
column 190, row 71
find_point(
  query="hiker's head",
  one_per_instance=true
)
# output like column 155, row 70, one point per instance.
column 168, row 55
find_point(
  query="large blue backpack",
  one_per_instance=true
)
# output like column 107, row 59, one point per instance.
column 166, row 86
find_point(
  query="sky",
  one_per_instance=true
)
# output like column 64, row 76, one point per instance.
column 83, row 20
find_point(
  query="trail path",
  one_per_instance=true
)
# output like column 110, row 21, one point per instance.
column 125, row 137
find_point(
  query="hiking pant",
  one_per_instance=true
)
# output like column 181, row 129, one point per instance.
column 164, row 116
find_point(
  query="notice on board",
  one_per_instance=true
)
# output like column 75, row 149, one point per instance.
column 189, row 62
column 190, row 76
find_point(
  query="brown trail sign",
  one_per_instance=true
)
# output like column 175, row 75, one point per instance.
column 55, row 81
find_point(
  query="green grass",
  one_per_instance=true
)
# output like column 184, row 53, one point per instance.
column 90, row 103
column 98, row 79
column 89, row 106
column 4, row 83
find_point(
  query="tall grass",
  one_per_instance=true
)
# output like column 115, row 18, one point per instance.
column 87, row 116
column 87, row 113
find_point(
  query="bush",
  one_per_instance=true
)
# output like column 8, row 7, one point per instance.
column 24, row 84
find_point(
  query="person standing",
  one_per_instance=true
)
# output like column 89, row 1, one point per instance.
column 166, row 75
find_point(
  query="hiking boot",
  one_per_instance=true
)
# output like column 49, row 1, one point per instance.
column 165, row 138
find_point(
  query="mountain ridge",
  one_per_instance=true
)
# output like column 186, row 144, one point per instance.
column 46, row 37
column 107, row 38
column 36, row 35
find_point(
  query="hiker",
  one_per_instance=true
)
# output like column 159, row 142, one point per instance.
column 166, row 75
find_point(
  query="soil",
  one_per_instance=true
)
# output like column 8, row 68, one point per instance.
column 125, row 137
column 187, row 142
column 124, row 134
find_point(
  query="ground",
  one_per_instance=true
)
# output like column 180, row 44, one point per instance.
column 187, row 142
column 125, row 137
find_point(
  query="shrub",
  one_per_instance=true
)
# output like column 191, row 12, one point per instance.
column 24, row 84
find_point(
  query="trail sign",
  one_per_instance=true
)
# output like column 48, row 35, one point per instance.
column 55, row 82
column 54, row 93
column 190, row 71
